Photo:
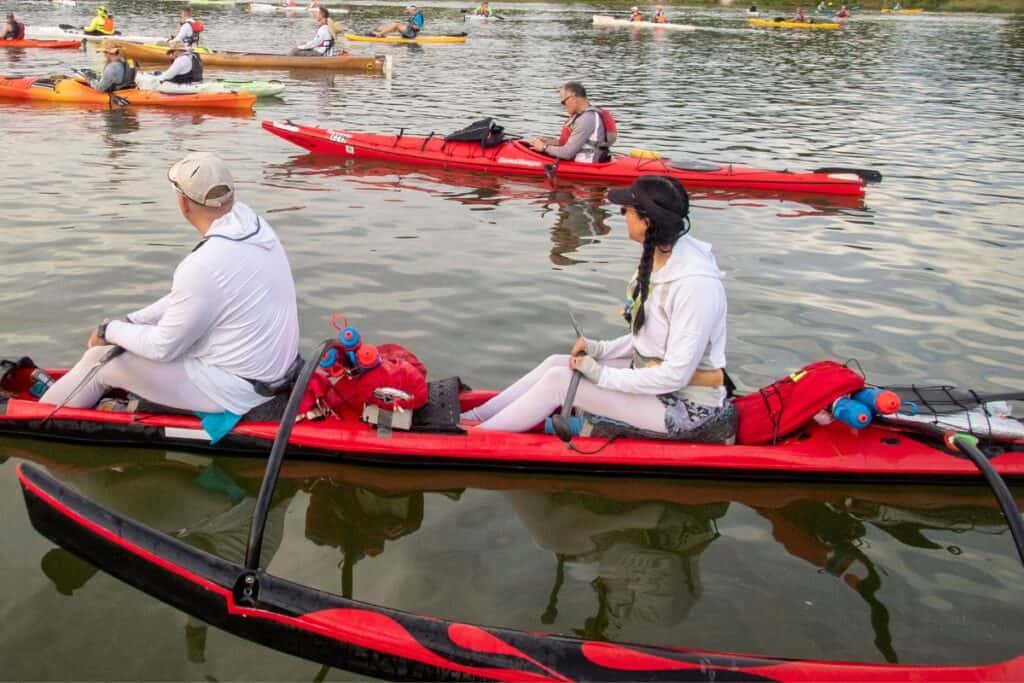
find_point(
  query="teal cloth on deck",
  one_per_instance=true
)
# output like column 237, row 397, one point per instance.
column 218, row 425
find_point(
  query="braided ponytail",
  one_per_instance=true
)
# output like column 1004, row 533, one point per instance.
column 643, row 281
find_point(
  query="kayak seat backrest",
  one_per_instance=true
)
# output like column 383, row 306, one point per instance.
column 441, row 413
column 695, row 165
column 47, row 83
column 270, row 411
column 439, row 416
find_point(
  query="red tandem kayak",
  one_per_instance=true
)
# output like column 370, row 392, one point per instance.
column 515, row 158
column 883, row 453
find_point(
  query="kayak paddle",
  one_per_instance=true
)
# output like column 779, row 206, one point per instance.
column 110, row 355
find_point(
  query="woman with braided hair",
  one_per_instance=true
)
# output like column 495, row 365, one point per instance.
column 665, row 377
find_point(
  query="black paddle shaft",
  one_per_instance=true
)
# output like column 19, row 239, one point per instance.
column 284, row 432
column 968, row 446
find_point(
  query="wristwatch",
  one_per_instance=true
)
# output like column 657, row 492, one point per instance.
column 101, row 331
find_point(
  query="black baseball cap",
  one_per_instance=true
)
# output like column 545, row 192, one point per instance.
column 658, row 197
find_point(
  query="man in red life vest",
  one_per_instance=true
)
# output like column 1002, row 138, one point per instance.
column 12, row 29
column 588, row 133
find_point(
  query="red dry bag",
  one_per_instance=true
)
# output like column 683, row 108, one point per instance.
column 779, row 409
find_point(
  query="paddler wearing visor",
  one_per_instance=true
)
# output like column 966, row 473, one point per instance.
column 665, row 376
column 225, row 337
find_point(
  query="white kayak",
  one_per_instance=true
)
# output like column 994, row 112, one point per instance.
column 476, row 17
column 257, row 88
column 268, row 8
column 61, row 33
column 604, row 20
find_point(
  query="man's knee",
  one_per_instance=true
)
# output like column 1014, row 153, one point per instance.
column 95, row 354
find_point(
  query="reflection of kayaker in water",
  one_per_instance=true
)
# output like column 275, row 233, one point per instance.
column 578, row 223
column 665, row 375
column 828, row 539
column 358, row 521
column 206, row 507
column 639, row 558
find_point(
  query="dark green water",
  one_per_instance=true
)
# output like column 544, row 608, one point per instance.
column 921, row 284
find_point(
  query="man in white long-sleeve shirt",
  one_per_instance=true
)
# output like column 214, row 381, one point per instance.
column 190, row 29
column 186, row 67
column 227, row 329
column 322, row 44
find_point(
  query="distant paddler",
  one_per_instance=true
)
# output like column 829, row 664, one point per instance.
column 12, row 29
column 322, row 44
column 186, row 67
column 843, row 13
column 118, row 74
column 799, row 17
column 659, row 15
column 190, row 29
column 634, row 14
column 483, row 10
column 410, row 29
column 588, row 132
column 101, row 25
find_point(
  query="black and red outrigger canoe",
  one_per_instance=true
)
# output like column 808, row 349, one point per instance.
column 393, row 644
column 513, row 157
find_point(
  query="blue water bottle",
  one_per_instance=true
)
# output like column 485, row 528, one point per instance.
column 852, row 413
column 879, row 400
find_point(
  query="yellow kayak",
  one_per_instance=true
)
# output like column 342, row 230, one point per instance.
column 454, row 38
column 889, row 10
column 822, row 25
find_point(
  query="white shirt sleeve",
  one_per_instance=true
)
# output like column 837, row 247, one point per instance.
column 320, row 40
column 152, row 313
column 185, row 32
column 181, row 66
column 189, row 314
column 620, row 347
column 693, row 309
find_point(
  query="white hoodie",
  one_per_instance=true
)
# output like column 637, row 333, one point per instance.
column 231, row 313
column 684, row 325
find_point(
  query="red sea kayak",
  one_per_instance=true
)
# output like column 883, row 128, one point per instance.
column 834, row 452
column 515, row 158
column 51, row 44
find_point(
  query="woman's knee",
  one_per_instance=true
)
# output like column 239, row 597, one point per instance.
column 556, row 360
column 556, row 378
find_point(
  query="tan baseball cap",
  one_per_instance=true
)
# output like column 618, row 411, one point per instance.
column 109, row 48
column 204, row 178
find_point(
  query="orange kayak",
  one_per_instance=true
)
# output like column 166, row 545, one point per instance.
column 70, row 90
column 157, row 54
column 51, row 44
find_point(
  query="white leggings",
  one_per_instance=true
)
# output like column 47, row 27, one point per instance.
column 535, row 396
column 164, row 383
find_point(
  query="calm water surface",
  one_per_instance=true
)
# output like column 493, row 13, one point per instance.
column 920, row 283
